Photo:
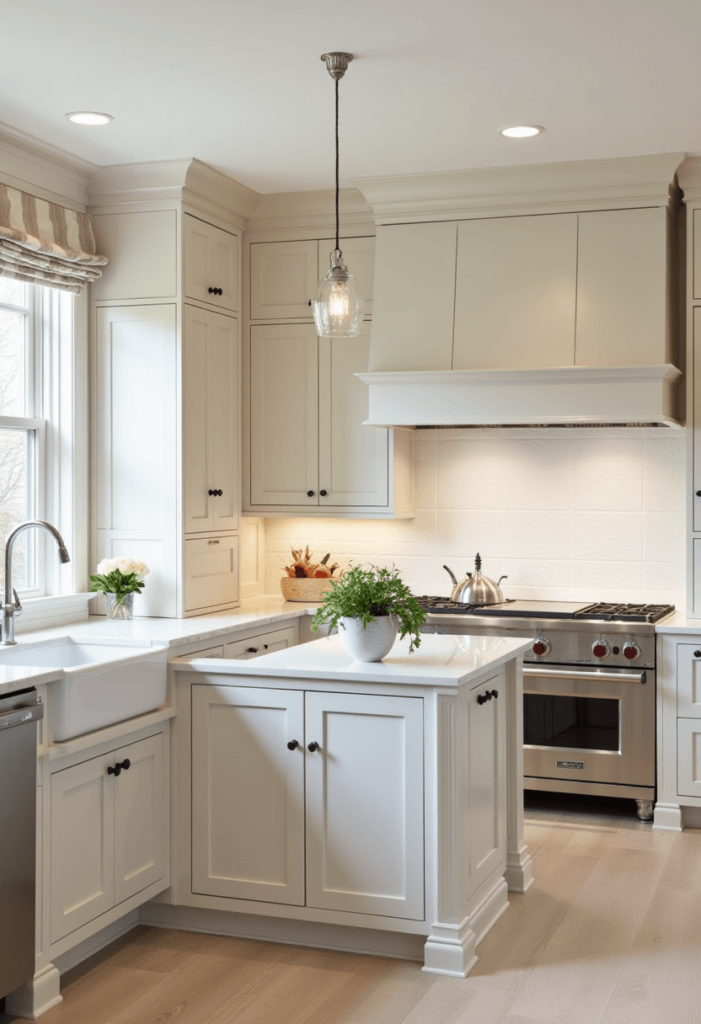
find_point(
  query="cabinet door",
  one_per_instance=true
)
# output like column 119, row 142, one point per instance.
column 211, row 263
column 364, row 824
column 695, row 426
column 689, row 680
column 353, row 459
column 139, row 811
column 515, row 292
column 414, row 297
column 485, row 838
column 689, row 757
column 248, row 793
column 284, row 277
column 284, row 415
column 622, row 288
column 211, row 573
column 82, row 845
column 359, row 257
column 257, row 646
column 210, row 421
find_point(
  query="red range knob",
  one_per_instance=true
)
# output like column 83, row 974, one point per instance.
column 631, row 651
column 541, row 645
column 600, row 648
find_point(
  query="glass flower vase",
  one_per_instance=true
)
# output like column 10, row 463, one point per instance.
column 116, row 610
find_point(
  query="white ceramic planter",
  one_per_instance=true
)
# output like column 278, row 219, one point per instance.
column 371, row 643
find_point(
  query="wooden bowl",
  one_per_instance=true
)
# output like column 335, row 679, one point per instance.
column 294, row 589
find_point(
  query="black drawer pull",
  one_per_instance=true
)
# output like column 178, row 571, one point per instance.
column 310, row 494
column 322, row 493
column 293, row 744
column 312, row 747
column 482, row 698
column 697, row 654
column 252, row 650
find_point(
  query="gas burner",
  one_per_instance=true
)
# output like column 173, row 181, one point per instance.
column 625, row 612
column 438, row 605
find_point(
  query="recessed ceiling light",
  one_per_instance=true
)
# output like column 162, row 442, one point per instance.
column 89, row 117
column 522, row 131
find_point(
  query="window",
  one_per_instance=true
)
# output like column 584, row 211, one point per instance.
column 33, row 322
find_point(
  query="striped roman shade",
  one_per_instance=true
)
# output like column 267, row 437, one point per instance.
column 45, row 243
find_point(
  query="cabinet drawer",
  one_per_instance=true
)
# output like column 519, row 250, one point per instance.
column 264, row 643
column 689, row 757
column 211, row 572
column 689, row 680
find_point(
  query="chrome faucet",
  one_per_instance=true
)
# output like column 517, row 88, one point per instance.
column 11, row 607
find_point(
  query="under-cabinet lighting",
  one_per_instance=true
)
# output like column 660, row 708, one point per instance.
column 90, row 117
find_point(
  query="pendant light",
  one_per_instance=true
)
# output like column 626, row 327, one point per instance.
column 338, row 305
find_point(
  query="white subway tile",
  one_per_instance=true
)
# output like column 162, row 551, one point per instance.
column 608, row 474
column 463, row 534
column 598, row 576
column 537, row 474
column 469, row 474
column 534, row 572
column 537, row 534
column 610, row 536
column 664, row 537
column 665, row 472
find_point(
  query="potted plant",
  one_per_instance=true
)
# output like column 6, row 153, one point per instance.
column 119, row 579
column 369, row 606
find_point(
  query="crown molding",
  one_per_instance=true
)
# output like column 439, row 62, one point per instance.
column 537, row 188
column 29, row 164
column 689, row 176
column 312, row 211
column 187, row 180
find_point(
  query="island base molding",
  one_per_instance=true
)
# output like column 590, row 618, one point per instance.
column 450, row 948
column 676, row 817
column 37, row 996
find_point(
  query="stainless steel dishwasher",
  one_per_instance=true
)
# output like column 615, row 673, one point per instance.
column 19, row 713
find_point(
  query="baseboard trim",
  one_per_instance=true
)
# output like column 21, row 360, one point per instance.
column 88, row 947
column 341, row 938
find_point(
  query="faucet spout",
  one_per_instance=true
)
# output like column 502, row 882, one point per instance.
column 11, row 606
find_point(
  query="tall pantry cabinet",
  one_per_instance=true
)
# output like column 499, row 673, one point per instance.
column 166, row 386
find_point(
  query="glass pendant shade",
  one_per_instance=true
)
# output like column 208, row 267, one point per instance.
column 338, row 305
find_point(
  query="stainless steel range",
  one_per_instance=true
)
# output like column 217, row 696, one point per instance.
column 589, row 690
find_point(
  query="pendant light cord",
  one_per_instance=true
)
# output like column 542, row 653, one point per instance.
column 337, row 186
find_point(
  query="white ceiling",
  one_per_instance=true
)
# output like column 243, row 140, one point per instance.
column 239, row 84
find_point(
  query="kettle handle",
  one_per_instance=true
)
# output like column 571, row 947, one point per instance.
column 504, row 577
column 452, row 576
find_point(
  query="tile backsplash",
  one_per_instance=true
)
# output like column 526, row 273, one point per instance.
column 569, row 514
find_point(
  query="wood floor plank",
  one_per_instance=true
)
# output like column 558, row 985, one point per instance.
column 683, row 867
column 580, row 965
column 661, row 980
column 452, row 1001
column 385, row 991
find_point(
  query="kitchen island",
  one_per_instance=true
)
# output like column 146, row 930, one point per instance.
column 361, row 806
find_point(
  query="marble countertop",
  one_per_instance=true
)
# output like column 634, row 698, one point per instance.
column 679, row 623
column 440, row 661
column 16, row 677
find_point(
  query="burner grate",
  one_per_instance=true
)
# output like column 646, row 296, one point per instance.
column 611, row 612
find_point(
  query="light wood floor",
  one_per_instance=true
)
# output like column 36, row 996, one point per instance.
column 609, row 934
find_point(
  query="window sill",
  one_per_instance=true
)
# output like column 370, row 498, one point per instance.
column 43, row 612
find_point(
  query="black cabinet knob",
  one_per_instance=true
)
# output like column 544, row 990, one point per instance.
column 293, row 744
column 310, row 494
column 126, row 764
column 211, row 291
column 697, row 654
column 312, row 747
column 310, row 302
column 114, row 770
column 698, row 494
column 219, row 493
column 495, row 694
column 482, row 698
column 252, row 650
column 322, row 493
column 215, row 291
column 211, row 493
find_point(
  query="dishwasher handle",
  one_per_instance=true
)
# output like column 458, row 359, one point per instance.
column 21, row 716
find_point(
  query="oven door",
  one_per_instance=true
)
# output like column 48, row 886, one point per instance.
column 587, row 725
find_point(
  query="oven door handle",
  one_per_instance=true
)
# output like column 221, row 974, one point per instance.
column 590, row 676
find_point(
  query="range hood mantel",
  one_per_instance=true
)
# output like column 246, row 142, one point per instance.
column 565, row 396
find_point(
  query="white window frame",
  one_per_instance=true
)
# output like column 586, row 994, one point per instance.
column 59, row 347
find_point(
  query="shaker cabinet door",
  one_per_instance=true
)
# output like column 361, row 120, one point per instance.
column 139, row 818
column 211, row 264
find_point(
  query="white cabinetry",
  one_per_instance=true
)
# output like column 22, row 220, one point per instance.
column 567, row 289
column 108, row 832
column 678, row 731
column 359, row 803
column 166, row 410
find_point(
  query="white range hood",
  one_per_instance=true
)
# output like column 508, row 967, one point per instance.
column 565, row 396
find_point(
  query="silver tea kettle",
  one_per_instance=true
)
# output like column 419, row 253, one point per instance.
column 476, row 588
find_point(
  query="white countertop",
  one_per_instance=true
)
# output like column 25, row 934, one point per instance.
column 16, row 677
column 679, row 623
column 440, row 661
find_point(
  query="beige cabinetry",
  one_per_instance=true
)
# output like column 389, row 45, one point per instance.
column 284, row 275
column 165, row 412
column 566, row 289
column 108, row 836
column 330, row 788
column 306, row 447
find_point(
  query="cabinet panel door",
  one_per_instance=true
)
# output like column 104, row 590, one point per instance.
column 211, row 261
column 695, row 426
column 359, row 257
column 284, row 415
column 364, row 826
column 484, row 841
column 515, row 292
column 284, row 278
column 353, row 459
column 622, row 289
column 210, row 421
column 138, row 818
column 688, row 681
column 211, row 572
column 414, row 297
column 82, row 845
column 248, row 793
column 689, row 757
column 257, row 646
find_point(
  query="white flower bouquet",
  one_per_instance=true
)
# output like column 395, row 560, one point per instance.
column 118, row 579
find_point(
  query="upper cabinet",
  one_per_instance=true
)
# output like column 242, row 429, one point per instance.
column 565, row 289
column 285, row 275
column 210, row 264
